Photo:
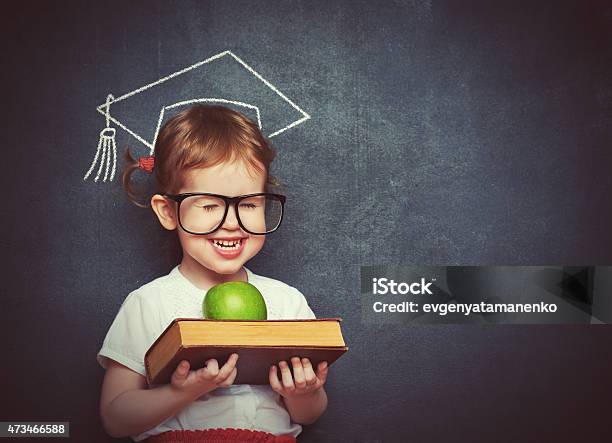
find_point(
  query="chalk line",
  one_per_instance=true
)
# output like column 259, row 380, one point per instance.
column 104, row 108
column 107, row 145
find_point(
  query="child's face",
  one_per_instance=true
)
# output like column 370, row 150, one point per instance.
column 229, row 179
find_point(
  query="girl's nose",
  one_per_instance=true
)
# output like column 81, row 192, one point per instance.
column 231, row 221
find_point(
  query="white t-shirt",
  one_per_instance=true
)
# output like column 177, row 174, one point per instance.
column 145, row 314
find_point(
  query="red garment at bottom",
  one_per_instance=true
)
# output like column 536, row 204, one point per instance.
column 218, row 435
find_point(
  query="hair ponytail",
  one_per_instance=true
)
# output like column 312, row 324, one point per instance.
column 131, row 164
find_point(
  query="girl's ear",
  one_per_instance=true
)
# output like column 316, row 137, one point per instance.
column 164, row 209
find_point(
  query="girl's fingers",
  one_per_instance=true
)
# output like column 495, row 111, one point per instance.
column 183, row 368
column 230, row 379
column 231, row 361
column 213, row 366
column 210, row 370
column 227, row 368
column 274, row 382
column 298, row 373
column 322, row 371
column 181, row 371
column 179, row 377
column 309, row 374
column 286, row 376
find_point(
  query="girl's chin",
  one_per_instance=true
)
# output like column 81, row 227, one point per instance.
column 217, row 265
column 226, row 270
column 226, row 266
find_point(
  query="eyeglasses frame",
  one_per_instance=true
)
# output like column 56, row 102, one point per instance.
column 228, row 201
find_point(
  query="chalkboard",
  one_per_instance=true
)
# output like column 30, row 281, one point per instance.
column 440, row 133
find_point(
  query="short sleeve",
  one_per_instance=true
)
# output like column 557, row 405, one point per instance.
column 300, row 306
column 132, row 332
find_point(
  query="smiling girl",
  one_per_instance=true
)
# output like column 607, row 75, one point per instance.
column 211, row 167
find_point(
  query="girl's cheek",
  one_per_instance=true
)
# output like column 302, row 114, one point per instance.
column 256, row 245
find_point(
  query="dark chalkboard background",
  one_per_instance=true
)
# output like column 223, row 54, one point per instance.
column 442, row 132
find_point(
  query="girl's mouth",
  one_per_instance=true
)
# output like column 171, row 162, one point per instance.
column 228, row 248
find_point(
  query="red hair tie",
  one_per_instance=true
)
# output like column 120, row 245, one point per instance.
column 147, row 163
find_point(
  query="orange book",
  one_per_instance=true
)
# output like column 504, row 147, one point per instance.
column 259, row 344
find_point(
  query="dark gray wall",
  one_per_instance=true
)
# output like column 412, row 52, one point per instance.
column 442, row 132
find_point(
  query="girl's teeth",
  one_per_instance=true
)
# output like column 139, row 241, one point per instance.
column 227, row 245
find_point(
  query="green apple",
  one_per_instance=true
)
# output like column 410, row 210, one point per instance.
column 234, row 300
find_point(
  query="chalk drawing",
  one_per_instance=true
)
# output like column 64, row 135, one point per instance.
column 107, row 146
column 199, row 100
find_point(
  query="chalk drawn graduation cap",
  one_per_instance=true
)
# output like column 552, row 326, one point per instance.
column 221, row 79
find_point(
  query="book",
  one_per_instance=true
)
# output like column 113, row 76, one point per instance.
column 259, row 344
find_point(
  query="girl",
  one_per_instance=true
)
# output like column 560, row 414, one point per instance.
column 209, row 160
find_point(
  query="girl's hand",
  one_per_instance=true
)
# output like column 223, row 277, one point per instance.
column 205, row 379
column 303, row 381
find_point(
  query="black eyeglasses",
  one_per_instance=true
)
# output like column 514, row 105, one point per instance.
column 202, row 213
